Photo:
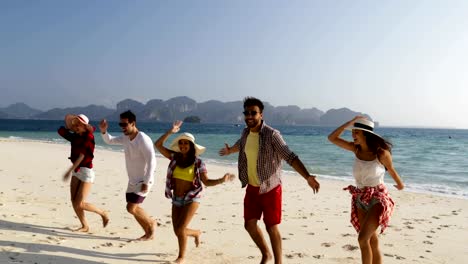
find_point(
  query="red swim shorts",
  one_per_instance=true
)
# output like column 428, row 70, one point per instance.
column 268, row 204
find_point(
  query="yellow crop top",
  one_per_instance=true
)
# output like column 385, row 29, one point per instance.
column 186, row 174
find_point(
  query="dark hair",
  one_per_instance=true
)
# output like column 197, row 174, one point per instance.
column 376, row 143
column 188, row 160
column 128, row 115
column 252, row 101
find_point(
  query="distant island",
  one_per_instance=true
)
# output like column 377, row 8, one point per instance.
column 192, row 119
column 185, row 108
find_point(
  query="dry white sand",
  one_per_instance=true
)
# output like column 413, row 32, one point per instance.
column 36, row 218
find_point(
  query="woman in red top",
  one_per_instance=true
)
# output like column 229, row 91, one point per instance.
column 80, row 134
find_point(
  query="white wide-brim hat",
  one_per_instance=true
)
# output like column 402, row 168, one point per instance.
column 187, row 136
column 364, row 125
column 70, row 120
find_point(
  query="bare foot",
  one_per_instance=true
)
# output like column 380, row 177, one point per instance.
column 179, row 261
column 149, row 235
column 105, row 219
column 197, row 239
column 266, row 258
column 151, row 228
column 145, row 237
column 82, row 229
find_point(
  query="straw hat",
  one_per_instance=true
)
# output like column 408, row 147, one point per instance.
column 71, row 120
column 187, row 136
column 364, row 125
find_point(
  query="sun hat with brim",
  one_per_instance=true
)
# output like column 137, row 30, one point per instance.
column 364, row 125
column 187, row 136
column 70, row 119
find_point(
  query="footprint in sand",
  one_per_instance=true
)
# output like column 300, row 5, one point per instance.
column 326, row 244
column 295, row 255
column 428, row 242
column 349, row 247
column 346, row 235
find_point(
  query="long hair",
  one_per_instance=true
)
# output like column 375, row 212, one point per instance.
column 188, row 160
column 376, row 143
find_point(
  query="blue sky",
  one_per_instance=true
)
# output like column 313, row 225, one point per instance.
column 405, row 63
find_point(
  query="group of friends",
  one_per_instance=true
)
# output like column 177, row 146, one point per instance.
column 261, row 150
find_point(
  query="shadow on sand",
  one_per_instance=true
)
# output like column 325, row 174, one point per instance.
column 37, row 252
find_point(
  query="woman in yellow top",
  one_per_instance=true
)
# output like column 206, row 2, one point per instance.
column 185, row 175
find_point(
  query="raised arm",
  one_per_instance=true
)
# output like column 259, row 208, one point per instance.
column 386, row 159
column 159, row 143
column 107, row 137
column 335, row 138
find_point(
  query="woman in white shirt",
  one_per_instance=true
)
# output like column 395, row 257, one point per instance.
column 371, row 205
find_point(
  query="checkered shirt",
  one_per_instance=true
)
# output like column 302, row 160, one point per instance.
column 272, row 150
column 378, row 192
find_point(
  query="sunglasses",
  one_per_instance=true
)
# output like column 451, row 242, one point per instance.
column 250, row 113
column 123, row 125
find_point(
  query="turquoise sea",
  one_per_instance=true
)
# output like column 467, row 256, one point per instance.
column 429, row 160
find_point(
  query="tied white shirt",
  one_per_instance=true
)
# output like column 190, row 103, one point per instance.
column 140, row 157
column 368, row 173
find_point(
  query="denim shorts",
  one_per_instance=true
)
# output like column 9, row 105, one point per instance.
column 180, row 202
column 366, row 207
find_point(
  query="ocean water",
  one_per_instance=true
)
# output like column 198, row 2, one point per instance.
column 429, row 160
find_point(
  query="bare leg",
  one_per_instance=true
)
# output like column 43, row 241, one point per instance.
column 376, row 255
column 181, row 217
column 257, row 236
column 143, row 219
column 77, row 199
column 79, row 191
column 369, row 223
column 276, row 243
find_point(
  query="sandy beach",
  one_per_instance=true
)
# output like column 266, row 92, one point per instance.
column 36, row 218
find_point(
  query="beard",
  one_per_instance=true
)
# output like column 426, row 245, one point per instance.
column 251, row 123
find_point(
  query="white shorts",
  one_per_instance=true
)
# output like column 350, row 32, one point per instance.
column 85, row 174
column 136, row 188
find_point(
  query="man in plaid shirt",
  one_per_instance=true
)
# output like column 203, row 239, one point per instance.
column 261, row 149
